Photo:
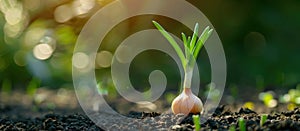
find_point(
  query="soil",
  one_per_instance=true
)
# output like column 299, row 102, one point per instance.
column 221, row 119
column 51, row 110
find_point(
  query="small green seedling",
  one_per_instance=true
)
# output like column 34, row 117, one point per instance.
column 242, row 124
column 196, row 120
column 232, row 128
column 263, row 119
column 192, row 45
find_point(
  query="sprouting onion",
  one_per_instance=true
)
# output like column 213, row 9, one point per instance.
column 187, row 102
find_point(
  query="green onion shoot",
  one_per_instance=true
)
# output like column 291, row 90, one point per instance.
column 187, row 102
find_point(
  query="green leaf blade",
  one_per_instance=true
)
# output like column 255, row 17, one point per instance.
column 172, row 42
column 202, row 39
column 194, row 37
column 186, row 49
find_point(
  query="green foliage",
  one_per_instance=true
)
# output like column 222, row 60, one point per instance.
column 172, row 42
column 101, row 89
column 32, row 86
column 170, row 97
column 106, row 88
column 192, row 47
column 65, row 34
column 196, row 121
column 6, row 86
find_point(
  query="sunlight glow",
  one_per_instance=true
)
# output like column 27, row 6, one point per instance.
column 81, row 7
column 63, row 13
column 42, row 51
column 33, row 36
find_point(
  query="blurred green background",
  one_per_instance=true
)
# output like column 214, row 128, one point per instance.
column 260, row 39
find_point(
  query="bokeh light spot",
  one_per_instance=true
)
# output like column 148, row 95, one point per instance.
column 12, row 30
column 81, row 60
column 272, row 103
column 13, row 15
column 297, row 100
column 42, row 51
column 49, row 40
column 104, row 58
column 63, row 13
column 81, row 7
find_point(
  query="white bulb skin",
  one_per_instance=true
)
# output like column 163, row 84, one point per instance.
column 187, row 103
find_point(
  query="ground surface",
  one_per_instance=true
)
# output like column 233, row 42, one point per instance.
column 59, row 110
column 222, row 119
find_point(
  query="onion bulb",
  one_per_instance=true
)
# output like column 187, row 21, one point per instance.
column 187, row 103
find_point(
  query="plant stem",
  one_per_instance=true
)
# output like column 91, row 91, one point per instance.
column 188, row 74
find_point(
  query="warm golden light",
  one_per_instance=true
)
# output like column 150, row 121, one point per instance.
column 14, row 15
column 81, row 7
column 32, row 4
column 33, row 36
column 42, row 51
column 12, row 30
column 63, row 13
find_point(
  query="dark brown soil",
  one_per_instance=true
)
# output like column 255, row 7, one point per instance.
column 222, row 119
